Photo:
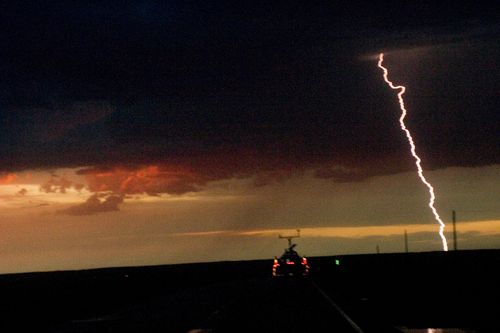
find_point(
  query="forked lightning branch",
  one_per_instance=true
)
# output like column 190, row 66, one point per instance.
column 432, row 197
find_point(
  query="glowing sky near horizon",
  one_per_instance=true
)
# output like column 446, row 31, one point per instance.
column 233, row 219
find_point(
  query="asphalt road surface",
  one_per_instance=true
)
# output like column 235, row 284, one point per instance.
column 256, row 305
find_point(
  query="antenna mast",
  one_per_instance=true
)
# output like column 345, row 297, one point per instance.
column 290, row 237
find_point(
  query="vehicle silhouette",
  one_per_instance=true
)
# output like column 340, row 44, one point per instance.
column 290, row 264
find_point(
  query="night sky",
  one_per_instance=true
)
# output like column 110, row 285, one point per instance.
column 150, row 132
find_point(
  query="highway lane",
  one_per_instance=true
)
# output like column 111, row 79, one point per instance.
column 254, row 305
column 284, row 306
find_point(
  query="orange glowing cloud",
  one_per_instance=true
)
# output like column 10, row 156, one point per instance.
column 178, row 179
column 151, row 180
column 7, row 178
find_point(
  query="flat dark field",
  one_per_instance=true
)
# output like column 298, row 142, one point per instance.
column 378, row 292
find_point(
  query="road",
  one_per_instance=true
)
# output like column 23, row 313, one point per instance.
column 255, row 305
column 379, row 292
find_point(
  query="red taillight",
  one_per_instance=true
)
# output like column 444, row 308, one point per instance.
column 306, row 266
column 275, row 266
column 290, row 263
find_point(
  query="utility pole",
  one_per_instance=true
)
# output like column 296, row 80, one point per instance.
column 454, row 215
column 406, row 242
column 378, row 249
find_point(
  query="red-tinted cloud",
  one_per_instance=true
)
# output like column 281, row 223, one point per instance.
column 150, row 180
column 7, row 178
column 191, row 175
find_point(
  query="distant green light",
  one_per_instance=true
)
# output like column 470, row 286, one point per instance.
column 337, row 262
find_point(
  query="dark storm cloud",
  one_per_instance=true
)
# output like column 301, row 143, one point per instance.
column 59, row 184
column 96, row 203
column 22, row 192
column 227, row 89
column 340, row 175
column 52, row 123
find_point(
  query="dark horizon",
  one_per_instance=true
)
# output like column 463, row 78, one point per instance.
column 180, row 298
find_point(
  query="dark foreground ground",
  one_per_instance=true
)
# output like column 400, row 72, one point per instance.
column 364, row 293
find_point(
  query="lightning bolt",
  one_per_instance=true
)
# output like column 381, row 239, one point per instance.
column 418, row 161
